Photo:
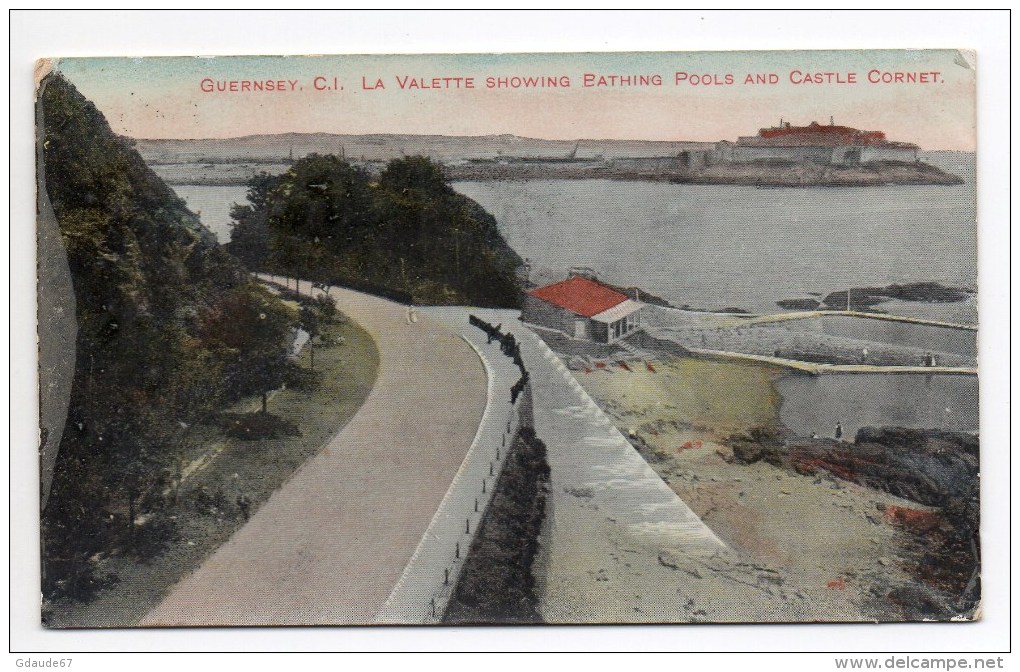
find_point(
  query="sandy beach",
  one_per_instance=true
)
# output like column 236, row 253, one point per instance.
column 805, row 547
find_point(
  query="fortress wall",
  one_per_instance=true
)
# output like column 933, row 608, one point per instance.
column 745, row 154
column 879, row 153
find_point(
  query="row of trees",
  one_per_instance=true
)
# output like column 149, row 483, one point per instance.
column 170, row 328
column 409, row 231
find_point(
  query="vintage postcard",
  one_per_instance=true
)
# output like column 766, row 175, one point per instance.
column 494, row 339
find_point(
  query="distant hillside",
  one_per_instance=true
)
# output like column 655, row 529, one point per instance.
column 168, row 326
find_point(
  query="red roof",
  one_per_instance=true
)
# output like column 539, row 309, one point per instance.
column 816, row 133
column 580, row 295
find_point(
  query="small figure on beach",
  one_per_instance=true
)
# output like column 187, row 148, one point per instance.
column 412, row 315
column 864, row 354
column 839, row 430
column 243, row 503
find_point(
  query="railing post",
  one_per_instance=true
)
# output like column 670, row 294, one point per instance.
column 446, row 577
column 467, row 526
column 456, row 550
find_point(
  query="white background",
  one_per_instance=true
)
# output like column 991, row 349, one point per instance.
column 49, row 34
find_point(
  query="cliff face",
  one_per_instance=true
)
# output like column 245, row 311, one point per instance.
column 150, row 292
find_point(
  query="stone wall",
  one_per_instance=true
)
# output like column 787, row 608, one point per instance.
column 545, row 314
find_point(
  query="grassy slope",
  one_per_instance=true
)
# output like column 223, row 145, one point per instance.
column 261, row 467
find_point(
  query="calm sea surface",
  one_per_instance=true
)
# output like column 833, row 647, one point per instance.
column 814, row 404
column 717, row 246
column 925, row 337
column 213, row 205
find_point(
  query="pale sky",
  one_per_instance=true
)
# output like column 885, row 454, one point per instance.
column 163, row 97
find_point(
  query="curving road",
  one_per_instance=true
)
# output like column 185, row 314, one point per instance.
column 329, row 546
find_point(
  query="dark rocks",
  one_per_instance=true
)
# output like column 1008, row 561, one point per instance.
column 863, row 298
column 799, row 304
column 937, row 469
column 760, row 443
column 860, row 298
column 930, row 292
column 666, row 561
column 746, row 452
column 930, row 467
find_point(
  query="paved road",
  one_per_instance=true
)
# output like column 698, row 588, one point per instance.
column 421, row 595
column 329, row 547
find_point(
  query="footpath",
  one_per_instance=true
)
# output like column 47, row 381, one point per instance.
column 331, row 544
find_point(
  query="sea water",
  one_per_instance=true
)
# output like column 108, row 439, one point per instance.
column 213, row 205
column 815, row 404
column 720, row 246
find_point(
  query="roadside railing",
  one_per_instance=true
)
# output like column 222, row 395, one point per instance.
column 483, row 474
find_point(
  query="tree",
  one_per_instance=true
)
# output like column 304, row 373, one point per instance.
column 415, row 173
column 310, row 321
column 250, row 235
column 323, row 199
column 253, row 330
column 326, row 305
